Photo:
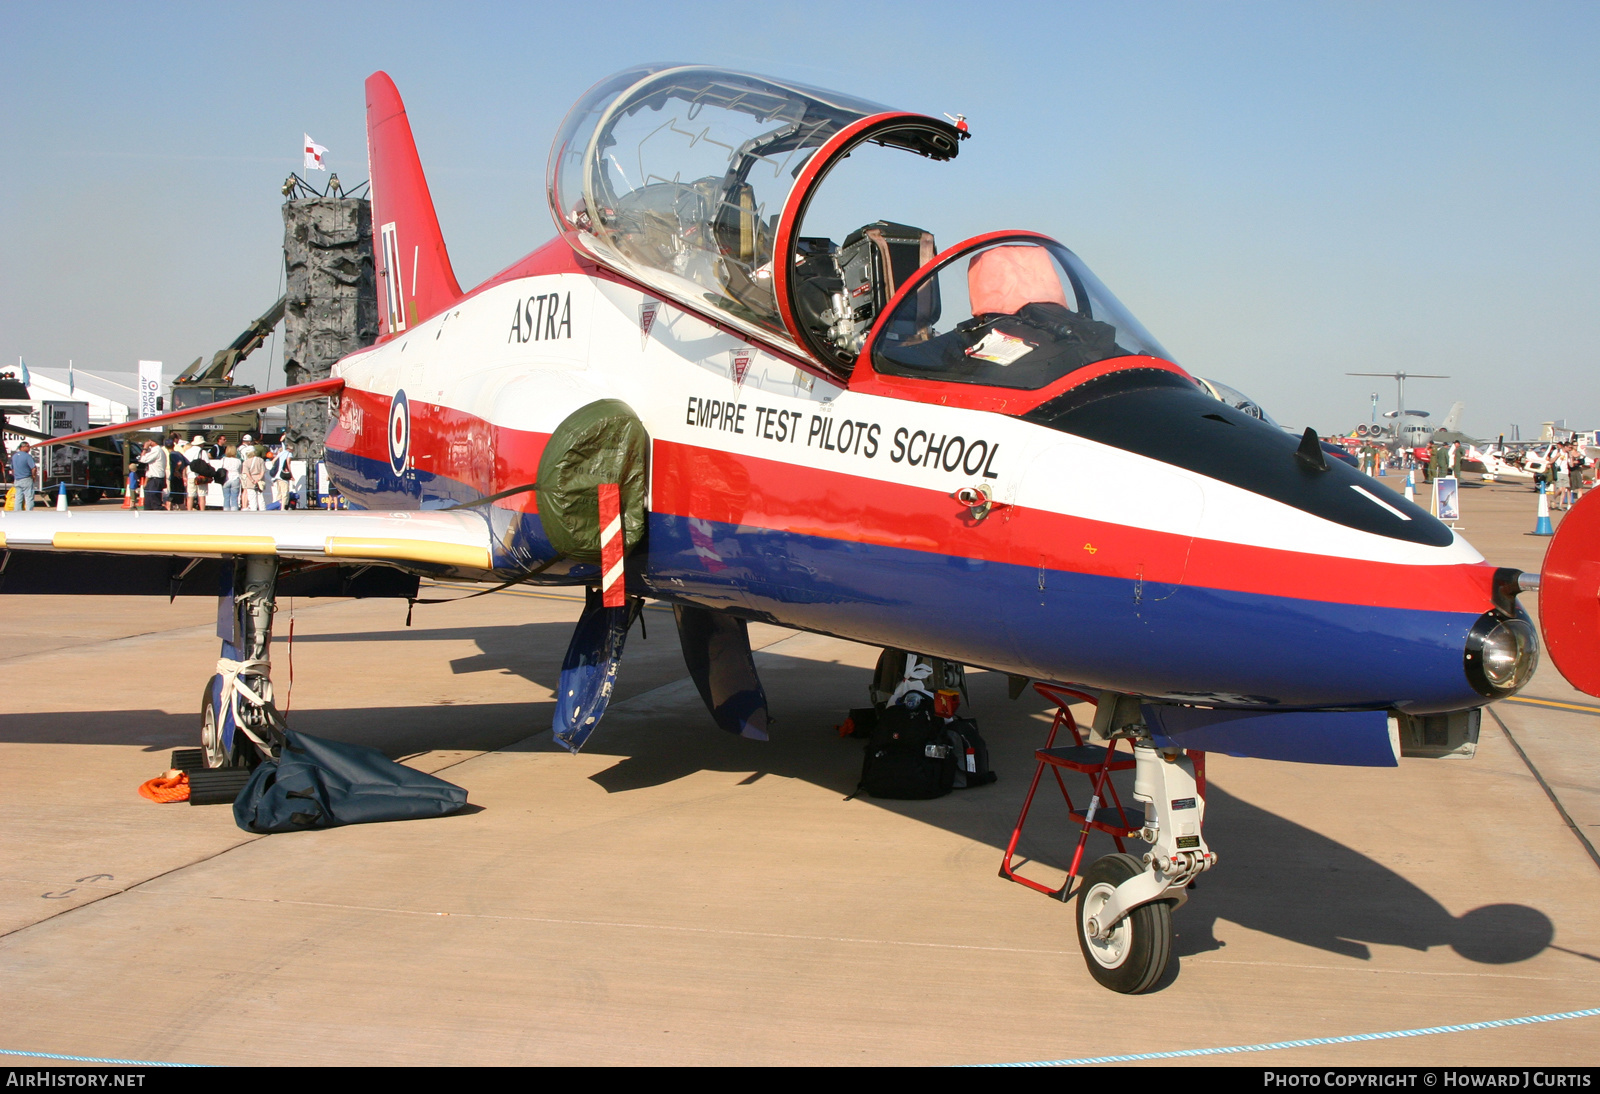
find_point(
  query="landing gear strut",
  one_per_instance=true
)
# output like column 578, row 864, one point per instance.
column 239, row 725
column 1125, row 906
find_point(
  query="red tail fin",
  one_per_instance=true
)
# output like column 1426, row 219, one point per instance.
column 415, row 280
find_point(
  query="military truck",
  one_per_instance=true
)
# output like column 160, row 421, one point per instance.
column 197, row 386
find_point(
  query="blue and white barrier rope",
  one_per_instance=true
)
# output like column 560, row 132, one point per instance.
column 1309, row 1042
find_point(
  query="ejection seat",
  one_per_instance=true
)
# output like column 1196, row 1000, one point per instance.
column 841, row 290
column 1004, row 280
column 1026, row 330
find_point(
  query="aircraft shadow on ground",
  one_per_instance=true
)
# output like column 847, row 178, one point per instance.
column 1274, row 876
column 1283, row 879
column 396, row 731
column 530, row 650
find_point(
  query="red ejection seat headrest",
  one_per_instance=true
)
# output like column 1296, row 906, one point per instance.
column 1002, row 279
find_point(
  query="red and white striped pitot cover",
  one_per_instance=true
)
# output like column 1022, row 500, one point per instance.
column 612, row 591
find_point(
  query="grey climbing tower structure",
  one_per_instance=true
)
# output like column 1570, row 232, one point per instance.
column 332, row 305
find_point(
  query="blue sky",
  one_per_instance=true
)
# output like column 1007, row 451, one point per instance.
column 1281, row 192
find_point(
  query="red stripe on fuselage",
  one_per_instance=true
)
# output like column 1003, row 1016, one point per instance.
column 743, row 490
column 729, row 488
column 444, row 441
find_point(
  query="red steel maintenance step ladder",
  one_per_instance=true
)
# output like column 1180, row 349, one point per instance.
column 1110, row 817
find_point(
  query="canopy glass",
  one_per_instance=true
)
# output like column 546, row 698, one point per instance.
column 680, row 176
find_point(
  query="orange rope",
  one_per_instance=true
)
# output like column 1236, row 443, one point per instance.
column 164, row 789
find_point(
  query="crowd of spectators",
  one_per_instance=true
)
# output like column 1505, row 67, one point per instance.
column 172, row 474
column 169, row 474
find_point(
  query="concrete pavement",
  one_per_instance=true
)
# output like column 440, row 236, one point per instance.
column 673, row 895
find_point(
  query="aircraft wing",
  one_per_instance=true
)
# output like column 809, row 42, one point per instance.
column 54, row 551
column 300, row 393
column 434, row 541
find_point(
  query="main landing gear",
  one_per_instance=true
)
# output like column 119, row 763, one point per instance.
column 239, row 725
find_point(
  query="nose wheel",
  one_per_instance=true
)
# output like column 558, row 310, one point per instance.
column 1132, row 956
column 1125, row 904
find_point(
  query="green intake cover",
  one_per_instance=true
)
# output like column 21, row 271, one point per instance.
column 602, row 442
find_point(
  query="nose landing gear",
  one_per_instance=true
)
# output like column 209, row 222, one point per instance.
column 1124, row 906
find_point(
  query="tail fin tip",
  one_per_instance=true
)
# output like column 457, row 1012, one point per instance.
column 415, row 278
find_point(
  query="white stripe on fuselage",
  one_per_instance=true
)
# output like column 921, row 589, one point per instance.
column 482, row 358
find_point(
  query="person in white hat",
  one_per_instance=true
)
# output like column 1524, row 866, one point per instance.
column 196, row 488
column 247, row 447
column 253, row 476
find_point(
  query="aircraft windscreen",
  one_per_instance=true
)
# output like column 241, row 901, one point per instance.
column 679, row 175
column 1240, row 401
column 1017, row 314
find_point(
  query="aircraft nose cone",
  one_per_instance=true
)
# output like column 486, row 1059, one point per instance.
column 1501, row 654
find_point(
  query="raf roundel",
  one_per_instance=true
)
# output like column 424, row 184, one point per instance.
column 399, row 432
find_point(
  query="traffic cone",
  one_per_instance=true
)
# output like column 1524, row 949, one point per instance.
column 1411, row 486
column 61, row 497
column 1543, row 528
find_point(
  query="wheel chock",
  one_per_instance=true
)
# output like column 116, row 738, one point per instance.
column 217, row 785
column 189, row 760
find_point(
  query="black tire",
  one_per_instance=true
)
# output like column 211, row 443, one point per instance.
column 211, row 728
column 1133, row 958
column 243, row 753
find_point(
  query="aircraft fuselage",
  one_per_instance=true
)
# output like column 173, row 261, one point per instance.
column 779, row 494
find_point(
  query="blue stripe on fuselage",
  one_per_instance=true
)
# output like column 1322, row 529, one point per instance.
column 1191, row 644
column 1187, row 643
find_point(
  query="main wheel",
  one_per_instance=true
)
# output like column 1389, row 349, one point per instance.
column 1135, row 954
column 211, row 728
column 243, row 753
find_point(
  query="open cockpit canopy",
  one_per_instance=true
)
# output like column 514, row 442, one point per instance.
column 692, row 180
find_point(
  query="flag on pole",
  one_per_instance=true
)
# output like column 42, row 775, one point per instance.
column 314, row 154
column 22, row 368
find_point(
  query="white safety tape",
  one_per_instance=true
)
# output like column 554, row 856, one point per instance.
column 233, row 688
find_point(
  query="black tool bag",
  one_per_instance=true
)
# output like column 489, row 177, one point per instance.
column 909, row 755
